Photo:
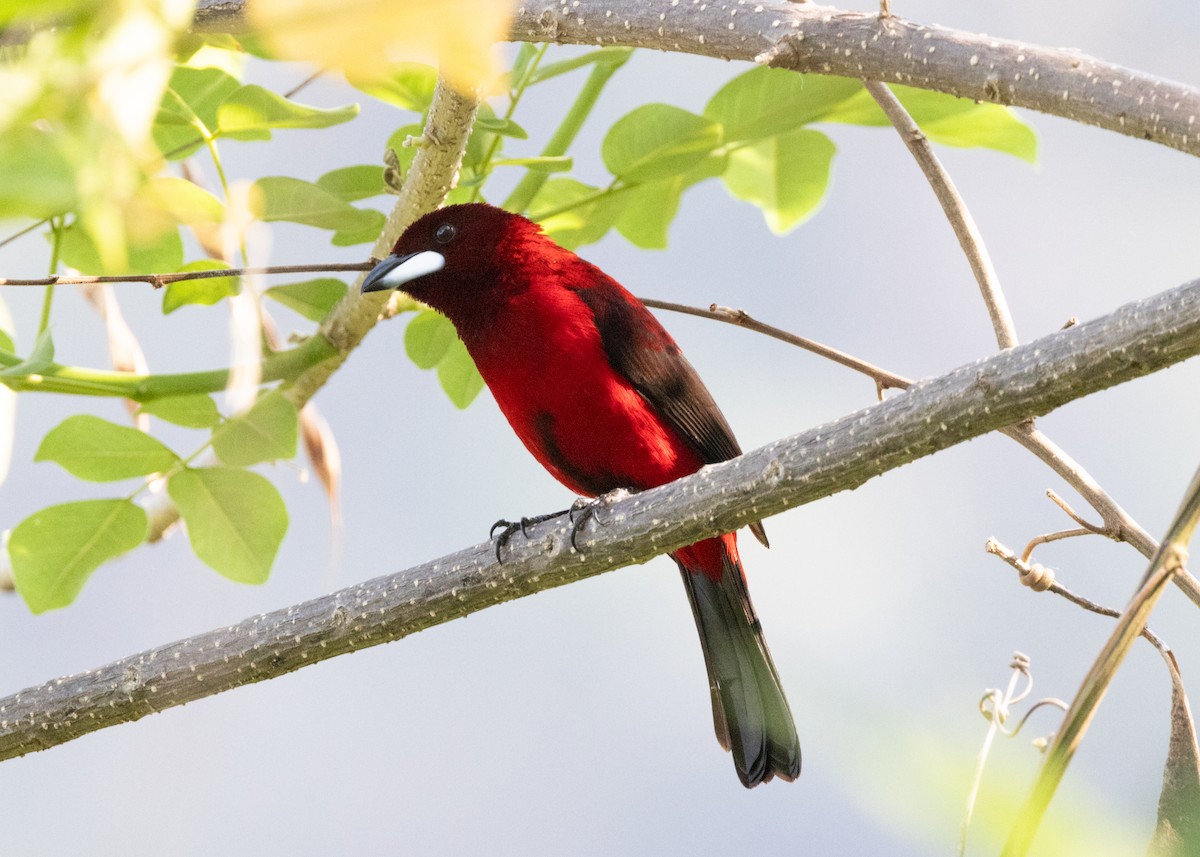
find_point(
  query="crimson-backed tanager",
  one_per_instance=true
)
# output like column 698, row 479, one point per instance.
column 602, row 396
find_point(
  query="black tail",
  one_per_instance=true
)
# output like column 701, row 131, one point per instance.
column 750, row 713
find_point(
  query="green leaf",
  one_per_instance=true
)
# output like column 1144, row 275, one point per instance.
column 54, row 551
column 185, row 201
column 503, row 127
column 949, row 120
column 155, row 252
column 265, row 432
column 204, row 292
column 408, row 86
column 657, row 141
column 603, row 56
column 351, row 184
column 36, row 180
column 235, row 519
column 540, row 164
column 286, row 198
column 767, row 101
column 650, row 208
column 428, row 338
column 202, row 90
column 558, row 207
column 367, row 230
column 251, row 113
column 39, row 359
column 458, row 375
column 191, row 410
column 525, row 54
column 313, row 299
column 785, row 175
column 100, row 451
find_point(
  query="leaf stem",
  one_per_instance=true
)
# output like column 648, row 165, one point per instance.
column 558, row 144
column 513, row 100
column 56, row 226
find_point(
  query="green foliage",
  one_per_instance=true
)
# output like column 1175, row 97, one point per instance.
column 193, row 410
column 313, row 299
column 267, row 431
column 97, row 168
column 54, row 551
column 99, row 451
column 235, row 519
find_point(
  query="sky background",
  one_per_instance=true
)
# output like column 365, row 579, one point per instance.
column 577, row 721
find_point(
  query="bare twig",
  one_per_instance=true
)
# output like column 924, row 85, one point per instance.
column 1167, row 561
column 932, row 415
column 1046, row 538
column 160, row 280
column 961, row 221
column 741, row 318
column 1072, row 514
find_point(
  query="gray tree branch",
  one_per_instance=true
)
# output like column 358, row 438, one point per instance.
column 1025, row 381
column 821, row 39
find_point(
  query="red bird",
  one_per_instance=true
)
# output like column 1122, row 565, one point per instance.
column 600, row 394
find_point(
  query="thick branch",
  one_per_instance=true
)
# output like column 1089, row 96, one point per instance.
column 1025, row 381
column 811, row 38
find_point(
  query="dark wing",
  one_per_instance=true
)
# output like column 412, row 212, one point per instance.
column 639, row 349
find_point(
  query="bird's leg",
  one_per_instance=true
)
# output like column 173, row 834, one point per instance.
column 584, row 510
column 507, row 528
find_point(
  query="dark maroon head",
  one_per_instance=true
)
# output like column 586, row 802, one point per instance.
column 456, row 258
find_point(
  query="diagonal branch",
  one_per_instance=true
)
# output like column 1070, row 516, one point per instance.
column 810, row 38
column 1024, row 381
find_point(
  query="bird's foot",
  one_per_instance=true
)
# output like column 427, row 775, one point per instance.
column 584, row 510
column 507, row 528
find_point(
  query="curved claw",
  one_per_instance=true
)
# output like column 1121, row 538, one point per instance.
column 507, row 528
column 583, row 510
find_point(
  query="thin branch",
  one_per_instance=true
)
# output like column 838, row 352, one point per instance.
column 932, row 415
column 961, row 221
column 1044, row 579
column 1047, row 538
column 1169, row 559
column 741, row 318
column 160, row 280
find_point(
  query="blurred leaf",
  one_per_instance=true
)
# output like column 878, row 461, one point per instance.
column 203, row 292
column 785, row 175
column 371, row 225
column 407, row 85
column 460, row 33
column 162, row 252
column 99, row 451
column 603, row 56
column 202, row 90
column 768, row 101
column 185, row 201
column 573, row 225
column 36, row 180
column 313, row 299
column 285, row 198
column 428, row 338
column 38, row 360
column 191, row 410
column 266, row 432
column 1177, row 833
column 235, row 519
column 54, row 551
column 458, row 375
column 948, row 120
column 351, row 184
column 525, row 54
column 650, row 208
column 540, row 164
column 251, row 113
column 657, row 141
column 503, row 127
column 8, row 398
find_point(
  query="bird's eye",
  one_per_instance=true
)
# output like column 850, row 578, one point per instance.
column 444, row 233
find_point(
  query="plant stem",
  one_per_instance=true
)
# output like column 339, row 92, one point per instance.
column 563, row 136
column 513, row 100
column 56, row 226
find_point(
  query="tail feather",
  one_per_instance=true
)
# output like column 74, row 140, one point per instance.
column 750, row 713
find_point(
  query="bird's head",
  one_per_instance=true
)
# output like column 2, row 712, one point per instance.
column 460, row 258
